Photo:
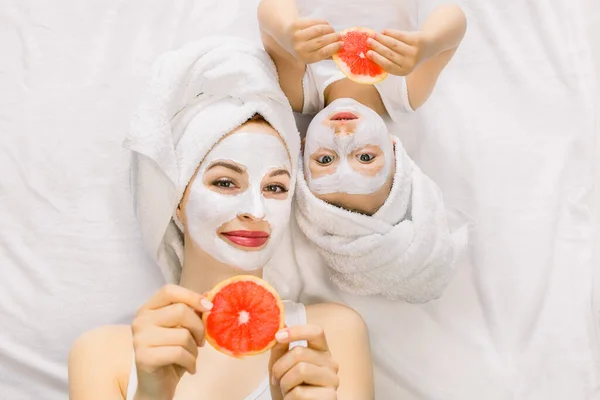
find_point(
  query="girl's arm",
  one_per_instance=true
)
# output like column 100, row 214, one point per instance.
column 444, row 29
column 98, row 361
column 421, row 55
column 275, row 18
column 293, row 42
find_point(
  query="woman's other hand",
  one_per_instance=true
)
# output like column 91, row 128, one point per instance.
column 167, row 332
column 312, row 40
column 303, row 373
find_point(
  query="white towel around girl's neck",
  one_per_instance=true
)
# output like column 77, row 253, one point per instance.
column 405, row 250
column 196, row 96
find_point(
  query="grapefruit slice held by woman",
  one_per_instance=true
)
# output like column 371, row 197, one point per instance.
column 247, row 313
column 352, row 59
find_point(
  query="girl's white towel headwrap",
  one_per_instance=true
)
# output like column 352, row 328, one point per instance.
column 196, row 96
column 404, row 251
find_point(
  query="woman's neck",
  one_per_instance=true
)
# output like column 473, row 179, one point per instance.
column 367, row 95
column 201, row 272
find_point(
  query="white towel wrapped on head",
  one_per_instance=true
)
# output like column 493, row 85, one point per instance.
column 405, row 250
column 197, row 95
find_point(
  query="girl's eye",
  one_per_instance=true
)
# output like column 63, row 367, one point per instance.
column 224, row 183
column 365, row 158
column 276, row 188
column 325, row 160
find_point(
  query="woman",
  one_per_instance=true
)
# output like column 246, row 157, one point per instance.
column 228, row 175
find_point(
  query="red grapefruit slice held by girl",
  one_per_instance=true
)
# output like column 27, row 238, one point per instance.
column 247, row 313
column 352, row 59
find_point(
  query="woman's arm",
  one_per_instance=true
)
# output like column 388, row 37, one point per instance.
column 348, row 341
column 98, row 362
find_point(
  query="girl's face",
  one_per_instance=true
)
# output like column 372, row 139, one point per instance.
column 349, row 157
column 237, row 206
column 348, row 150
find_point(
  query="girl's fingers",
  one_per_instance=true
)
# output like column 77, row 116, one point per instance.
column 384, row 51
column 151, row 358
column 301, row 355
column 161, row 337
column 313, row 32
column 178, row 315
column 392, row 44
column 308, row 374
column 410, row 38
column 172, row 294
column 328, row 51
column 322, row 41
column 383, row 62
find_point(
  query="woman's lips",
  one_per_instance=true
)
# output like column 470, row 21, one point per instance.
column 247, row 238
column 343, row 116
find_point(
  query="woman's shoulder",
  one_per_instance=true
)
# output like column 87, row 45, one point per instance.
column 334, row 317
column 106, row 352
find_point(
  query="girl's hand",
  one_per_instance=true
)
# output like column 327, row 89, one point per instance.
column 398, row 52
column 303, row 373
column 167, row 332
column 311, row 40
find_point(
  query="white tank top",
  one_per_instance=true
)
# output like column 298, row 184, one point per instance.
column 295, row 314
column 374, row 14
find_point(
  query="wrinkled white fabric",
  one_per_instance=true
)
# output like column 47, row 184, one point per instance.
column 197, row 95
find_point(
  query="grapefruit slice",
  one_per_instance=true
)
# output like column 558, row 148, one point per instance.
column 352, row 59
column 247, row 313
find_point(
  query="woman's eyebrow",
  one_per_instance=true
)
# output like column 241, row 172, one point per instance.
column 279, row 172
column 227, row 165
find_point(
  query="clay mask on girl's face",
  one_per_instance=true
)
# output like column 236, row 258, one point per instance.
column 208, row 209
column 347, row 150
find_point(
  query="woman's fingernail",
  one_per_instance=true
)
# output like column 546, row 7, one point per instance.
column 282, row 335
column 206, row 303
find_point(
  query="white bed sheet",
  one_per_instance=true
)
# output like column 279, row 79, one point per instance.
column 508, row 135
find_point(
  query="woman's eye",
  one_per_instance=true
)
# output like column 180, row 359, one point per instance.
column 365, row 158
column 325, row 160
column 275, row 188
column 224, row 183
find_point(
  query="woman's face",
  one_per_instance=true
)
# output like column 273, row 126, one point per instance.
column 348, row 153
column 237, row 206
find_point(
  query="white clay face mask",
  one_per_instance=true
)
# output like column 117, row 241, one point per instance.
column 207, row 210
column 370, row 130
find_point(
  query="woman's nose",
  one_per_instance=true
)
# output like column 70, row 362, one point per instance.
column 251, row 218
column 254, row 209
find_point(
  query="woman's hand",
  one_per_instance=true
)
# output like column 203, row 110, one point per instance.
column 311, row 40
column 167, row 332
column 398, row 52
column 303, row 373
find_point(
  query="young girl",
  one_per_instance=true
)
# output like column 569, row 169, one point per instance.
column 301, row 36
column 227, row 209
